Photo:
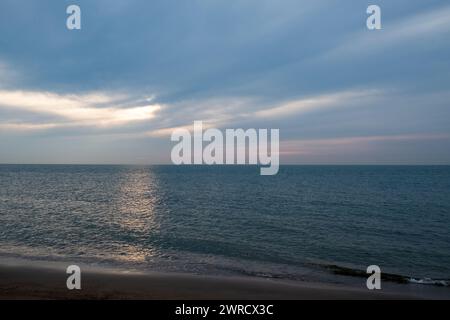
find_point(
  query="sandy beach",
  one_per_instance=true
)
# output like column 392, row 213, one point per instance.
column 35, row 282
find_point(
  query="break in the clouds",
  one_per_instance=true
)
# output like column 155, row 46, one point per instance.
column 113, row 91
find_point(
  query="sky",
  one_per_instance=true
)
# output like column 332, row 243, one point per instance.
column 112, row 92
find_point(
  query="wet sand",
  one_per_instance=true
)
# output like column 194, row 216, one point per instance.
column 32, row 282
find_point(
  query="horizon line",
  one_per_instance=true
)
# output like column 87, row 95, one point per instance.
column 217, row 165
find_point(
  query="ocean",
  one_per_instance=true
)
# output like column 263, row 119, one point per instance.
column 308, row 223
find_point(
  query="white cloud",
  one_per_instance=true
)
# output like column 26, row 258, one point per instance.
column 82, row 110
column 226, row 113
column 316, row 103
column 413, row 28
column 28, row 126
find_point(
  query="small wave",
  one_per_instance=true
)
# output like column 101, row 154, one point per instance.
column 345, row 271
column 429, row 281
column 339, row 270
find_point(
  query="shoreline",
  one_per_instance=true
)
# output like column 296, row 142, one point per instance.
column 37, row 282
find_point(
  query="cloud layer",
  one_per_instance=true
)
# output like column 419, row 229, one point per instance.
column 113, row 91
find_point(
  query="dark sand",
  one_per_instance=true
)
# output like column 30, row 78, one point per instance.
column 31, row 282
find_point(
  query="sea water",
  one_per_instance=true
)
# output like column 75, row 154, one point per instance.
column 305, row 223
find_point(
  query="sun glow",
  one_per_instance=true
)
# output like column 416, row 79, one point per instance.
column 84, row 110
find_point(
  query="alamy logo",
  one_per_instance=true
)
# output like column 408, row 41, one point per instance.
column 241, row 147
column 74, row 280
column 374, row 20
column 374, row 280
column 73, row 21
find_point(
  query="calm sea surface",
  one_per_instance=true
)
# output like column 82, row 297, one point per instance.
column 231, row 220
